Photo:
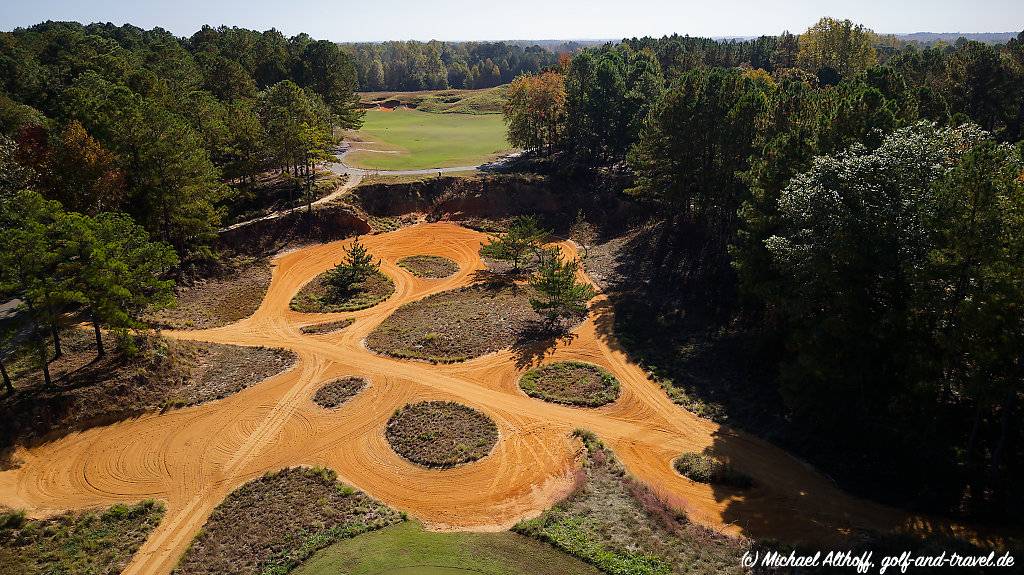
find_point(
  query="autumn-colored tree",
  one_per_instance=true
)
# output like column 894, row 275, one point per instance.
column 839, row 45
column 83, row 175
column 535, row 110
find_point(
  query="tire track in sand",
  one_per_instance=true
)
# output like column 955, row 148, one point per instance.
column 192, row 458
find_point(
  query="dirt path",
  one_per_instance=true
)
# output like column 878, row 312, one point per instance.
column 192, row 458
column 354, row 179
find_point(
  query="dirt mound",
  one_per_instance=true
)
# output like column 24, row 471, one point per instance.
column 267, row 236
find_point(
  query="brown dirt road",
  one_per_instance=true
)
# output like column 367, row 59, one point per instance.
column 192, row 458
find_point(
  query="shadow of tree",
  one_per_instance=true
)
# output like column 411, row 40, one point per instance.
column 538, row 340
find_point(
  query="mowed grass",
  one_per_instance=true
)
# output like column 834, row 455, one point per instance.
column 451, row 101
column 407, row 549
column 405, row 139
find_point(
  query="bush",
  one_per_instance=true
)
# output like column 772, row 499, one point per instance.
column 706, row 469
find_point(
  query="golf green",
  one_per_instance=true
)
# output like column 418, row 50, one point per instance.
column 408, row 549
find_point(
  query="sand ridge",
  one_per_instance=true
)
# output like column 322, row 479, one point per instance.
column 192, row 458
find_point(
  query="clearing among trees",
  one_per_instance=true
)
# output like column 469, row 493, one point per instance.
column 458, row 325
column 404, row 139
column 430, row 267
column 571, row 383
column 272, row 524
column 441, row 433
column 337, row 392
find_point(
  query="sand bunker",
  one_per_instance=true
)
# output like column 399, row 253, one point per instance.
column 192, row 458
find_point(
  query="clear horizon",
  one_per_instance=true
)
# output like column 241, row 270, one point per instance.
column 457, row 20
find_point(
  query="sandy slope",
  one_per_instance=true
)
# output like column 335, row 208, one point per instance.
column 193, row 458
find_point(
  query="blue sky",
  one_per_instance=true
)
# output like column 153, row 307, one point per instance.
column 347, row 20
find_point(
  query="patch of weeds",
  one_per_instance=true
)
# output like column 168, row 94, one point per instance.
column 95, row 542
column 704, row 468
column 578, row 537
column 384, row 224
column 315, row 297
column 430, row 267
column 571, row 383
column 460, row 324
column 441, row 433
column 329, row 327
column 272, row 524
column 332, row 394
column 622, row 527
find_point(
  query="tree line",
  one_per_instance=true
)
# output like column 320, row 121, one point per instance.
column 167, row 129
column 858, row 203
column 122, row 148
column 439, row 65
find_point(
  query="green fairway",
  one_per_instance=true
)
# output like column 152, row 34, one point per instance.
column 406, row 549
column 406, row 139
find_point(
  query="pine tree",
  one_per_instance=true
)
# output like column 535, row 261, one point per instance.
column 115, row 270
column 356, row 266
column 524, row 236
column 562, row 296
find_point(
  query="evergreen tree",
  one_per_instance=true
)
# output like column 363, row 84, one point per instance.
column 115, row 270
column 356, row 266
column 30, row 266
column 562, row 296
column 523, row 237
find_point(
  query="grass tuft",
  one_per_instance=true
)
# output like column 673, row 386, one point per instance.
column 95, row 542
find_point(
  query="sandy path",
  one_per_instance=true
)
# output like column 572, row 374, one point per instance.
column 192, row 458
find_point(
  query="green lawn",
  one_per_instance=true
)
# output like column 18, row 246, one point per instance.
column 411, row 140
column 406, row 549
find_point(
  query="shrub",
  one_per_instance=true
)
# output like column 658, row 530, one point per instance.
column 706, row 469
